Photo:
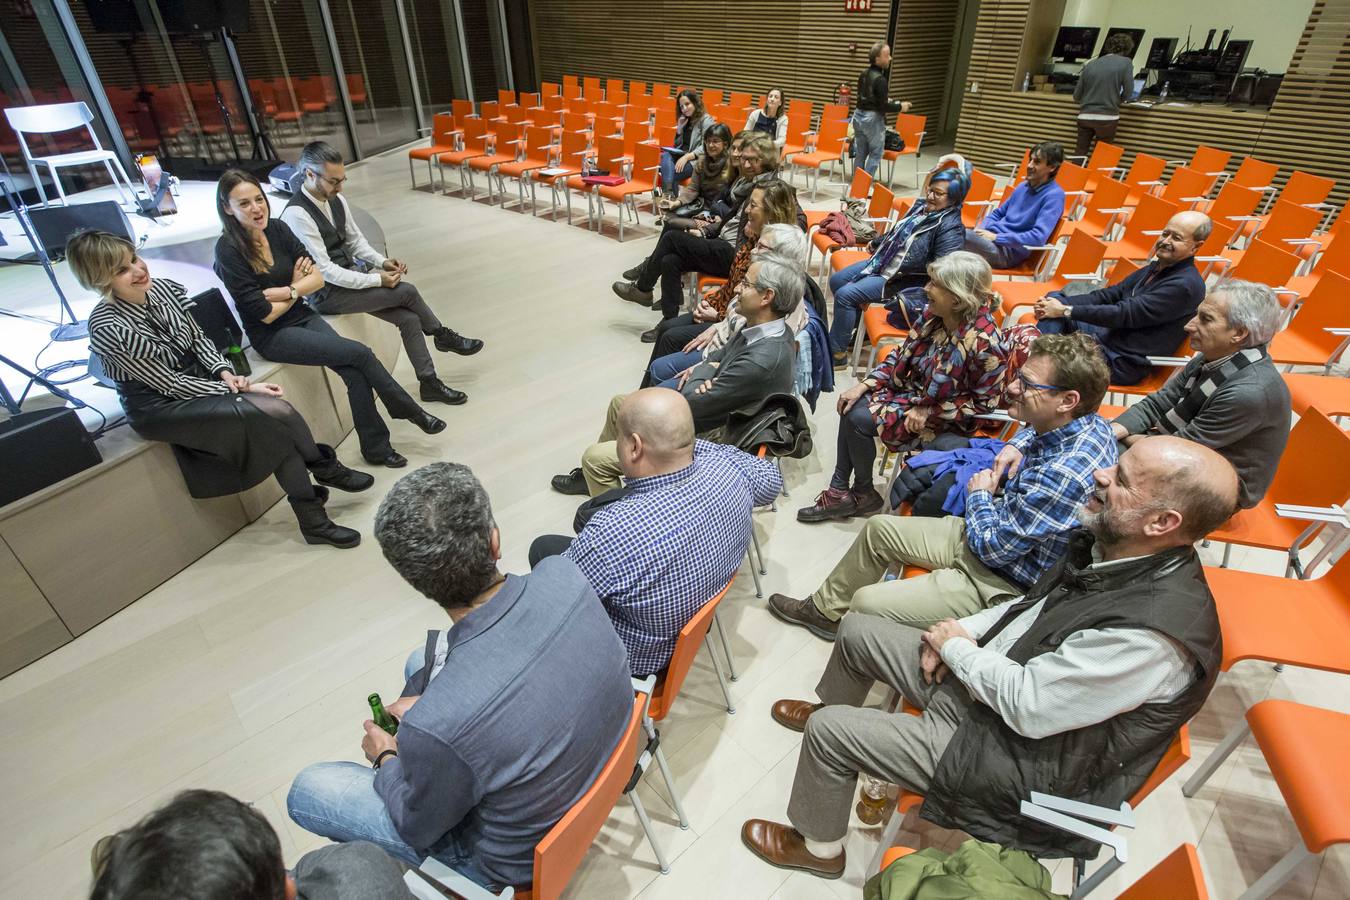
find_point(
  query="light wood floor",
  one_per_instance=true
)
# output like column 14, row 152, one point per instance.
column 256, row 660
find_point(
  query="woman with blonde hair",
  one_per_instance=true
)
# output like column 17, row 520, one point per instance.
column 227, row 432
column 949, row 370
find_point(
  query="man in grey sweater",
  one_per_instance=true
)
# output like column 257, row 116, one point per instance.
column 1102, row 84
column 1229, row 396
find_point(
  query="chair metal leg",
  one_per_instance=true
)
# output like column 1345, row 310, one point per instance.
column 37, row 182
column 726, row 648
column 754, row 570
column 759, row 552
column 646, row 822
column 660, row 756
column 778, row 461
column 1216, row 758
column 1277, row 874
column 56, row 180
column 721, row 679
column 887, row 839
column 117, row 163
column 1227, row 552
column 412, row 176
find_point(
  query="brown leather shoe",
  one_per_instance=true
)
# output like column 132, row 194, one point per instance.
column 792, row 714
column 784, row 847
column 867, row 502
column 831, row 503
column 803, row 613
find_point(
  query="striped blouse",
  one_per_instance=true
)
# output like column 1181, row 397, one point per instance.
column 146, row 343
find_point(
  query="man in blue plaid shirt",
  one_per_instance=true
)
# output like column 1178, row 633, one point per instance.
column 678, row 532
column 1006, row 540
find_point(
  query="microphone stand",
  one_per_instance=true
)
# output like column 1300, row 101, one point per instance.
column 74, row 330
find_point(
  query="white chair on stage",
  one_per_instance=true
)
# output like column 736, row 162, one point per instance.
column 55, row 117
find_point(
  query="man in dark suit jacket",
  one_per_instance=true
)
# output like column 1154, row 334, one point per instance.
column 1146, row 314
column 759, row 360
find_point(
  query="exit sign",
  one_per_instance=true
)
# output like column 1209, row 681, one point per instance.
column 857, row 5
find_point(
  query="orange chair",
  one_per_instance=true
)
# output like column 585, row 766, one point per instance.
column 858, row 189
column 613, row 86
column 642, row 180
column 1234, row 205
column 1327, row 393
column 1188, row 187
column 573, row 150
column 1143, row 176
column 879, row 333
column 1080, row 261
column 1104, row 209
column 1288, row 226
column 660, row 90
column 911, row 129
column 1257, row 174
column 1306, row 341
column 443, row 132
column 1142, row 229
column 1210, row 160
column 879, row 210
column 591, row 89
column 1335, row 258
column 829, row 149
column 538, row 147
column 1034, row 266
column 1269, row 265
column 636, row 122
column 560, row 852
column 506, row 148
column 1304, row 747
column 1102, row 164
column 798, row 127
column 979, row 198
column 475, row 145
column 740, row 100
column 1299, row 481
column 550, row 89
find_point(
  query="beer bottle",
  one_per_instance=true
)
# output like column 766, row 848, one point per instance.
column 238, row 361
column 381, row 716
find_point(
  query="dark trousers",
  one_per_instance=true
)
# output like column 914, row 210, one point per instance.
column 547, row 545
column 1125, row 370
column 678, row 252
column 313, row 342
column 857, row 447
column 671, row 336
column 401, row 306
column 292, row 474
column 1090, row 131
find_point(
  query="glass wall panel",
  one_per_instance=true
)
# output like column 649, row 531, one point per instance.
column 483, row 34
column 376, row 70
column 436, row 54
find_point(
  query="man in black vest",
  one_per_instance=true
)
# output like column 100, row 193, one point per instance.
column 358, row 278
column 1075, row 689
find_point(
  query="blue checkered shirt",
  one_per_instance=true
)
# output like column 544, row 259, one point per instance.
column 656, row 556
column 1023, row 531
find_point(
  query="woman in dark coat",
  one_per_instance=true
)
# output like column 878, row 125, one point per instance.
column 227, row 432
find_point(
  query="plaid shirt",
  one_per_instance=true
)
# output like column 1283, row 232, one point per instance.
column 656, row 556
column 1023, row 532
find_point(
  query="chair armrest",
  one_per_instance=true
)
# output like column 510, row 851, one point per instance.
column 1301, row 240
column 1152, row 231
column 1316, row 205
column 876, row 218
column 1194, row 199
column 1075, row 193
column 1170, row 361
column 1085, row 277
column 1247, row 218
column 1107, row 169
column 1117, row 210
column 1340, row 332
column 1285, row 290
column 1333, row 514
column 1038, row 246
column 981, row 203
column 995, row 416
column 1151, row 183
column 1083, row 157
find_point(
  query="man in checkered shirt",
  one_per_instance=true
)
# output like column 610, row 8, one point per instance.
column 678, row 533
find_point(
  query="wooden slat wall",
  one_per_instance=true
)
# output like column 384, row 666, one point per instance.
column 921, row 55
column 1304, row 128
column 741, row 45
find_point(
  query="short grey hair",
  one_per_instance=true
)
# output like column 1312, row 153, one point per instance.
column 786, row 282
column 435, row 528
column 968, row 277
column 316, row 154
column 789, row 242
column 875, row 51
column 1251, row 306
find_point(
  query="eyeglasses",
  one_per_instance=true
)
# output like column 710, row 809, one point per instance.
column 1028, row 384
column 335, row 182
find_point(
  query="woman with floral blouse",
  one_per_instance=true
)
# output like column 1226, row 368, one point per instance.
column 949, row 370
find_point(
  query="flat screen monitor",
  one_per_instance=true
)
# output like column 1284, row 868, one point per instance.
column 1138, row 88
column 1136, row 37
column 1075, row 43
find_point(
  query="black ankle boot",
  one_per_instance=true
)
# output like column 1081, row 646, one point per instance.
column 329, row 470
column 315, row 525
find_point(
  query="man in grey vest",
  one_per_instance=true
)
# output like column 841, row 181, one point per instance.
column 1075, row 689
column 358, row 278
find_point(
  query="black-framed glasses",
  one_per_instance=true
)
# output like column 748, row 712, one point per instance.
column 335, row 182
column 1028, row 384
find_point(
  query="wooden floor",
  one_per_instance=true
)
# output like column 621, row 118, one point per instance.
column 257, row 660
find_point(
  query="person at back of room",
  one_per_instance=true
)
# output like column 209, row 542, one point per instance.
column 357, row 278
column 869, row 118
column 1101, row 86
column 228, row 433
column 691, row 123
column 771, row 118
column 270, row 275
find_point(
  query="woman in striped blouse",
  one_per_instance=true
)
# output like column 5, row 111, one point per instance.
column 227, row 432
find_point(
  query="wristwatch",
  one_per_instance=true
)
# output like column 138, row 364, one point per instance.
column 294, row 295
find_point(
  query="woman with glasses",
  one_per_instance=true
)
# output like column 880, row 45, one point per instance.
column 900, row 257
column 269, row 274
column 949, row 370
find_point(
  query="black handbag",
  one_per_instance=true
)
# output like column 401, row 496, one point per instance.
column 893, row 140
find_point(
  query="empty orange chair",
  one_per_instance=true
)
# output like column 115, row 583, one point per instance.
column 911, row 129
column 475, row 145
column 1329, row 394
column 1256, row 174
column 506, row 149
column 858, row 189
column 740, row 100
column 1210, row 160
column 573, row 150
column 1143, row 176
column 1335, row 258
column 1102, row 164
column 1234, row 206
column 550, row 89
column 660, row 91
column 613, row 86
column 1306, row 341
column 796, row 138
column 642, row 179
column 538, row 145
column 1104, row 208
column 1188, row 187
column 1080, row 261
column 1288, row 226
column 1269, row 265
column 443, row 133
column 591, row 89
column 712, row 98
column 1142, row 229
column 829, row 149
column 979, row 198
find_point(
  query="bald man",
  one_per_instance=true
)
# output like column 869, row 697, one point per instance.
column 675, row 534
column 1075, row 689
column 1146, row 313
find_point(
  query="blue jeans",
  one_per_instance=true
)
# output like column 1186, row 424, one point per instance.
column 337, row 800
column 869, row 139
column 670, row 179
column 666, row 368
column 850, row 298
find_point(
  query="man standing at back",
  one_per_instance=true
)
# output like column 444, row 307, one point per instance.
column 322, row 220
column 1103, row 83
column 869, row 118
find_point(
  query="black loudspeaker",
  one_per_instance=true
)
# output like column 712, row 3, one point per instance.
column 40, row 448
column 1160, row 53
column 213, row 316
column 55, row 224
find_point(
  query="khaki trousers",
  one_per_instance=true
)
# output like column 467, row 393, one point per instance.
column 600, row 461
column 957, row 585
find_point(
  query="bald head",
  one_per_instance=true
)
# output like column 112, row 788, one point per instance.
column 1182, row 237
column 1194, row 480
column 656, row 432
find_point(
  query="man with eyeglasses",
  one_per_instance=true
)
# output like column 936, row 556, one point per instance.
column 358, row 278
column 1146, row 313
column 1008, row 538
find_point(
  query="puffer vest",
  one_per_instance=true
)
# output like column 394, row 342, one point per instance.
column 988, row 769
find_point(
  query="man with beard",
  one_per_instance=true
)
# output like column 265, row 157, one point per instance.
column 1076, row 688
column 1146, row 313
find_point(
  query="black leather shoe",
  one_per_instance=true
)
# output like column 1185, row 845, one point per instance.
column 633, row 273
column 448, row 341
column 632, row 293
column 329, row 471
column 572, row 483
column 433, row 390
column 394, row 460
column 650, row 336
column 427, row 422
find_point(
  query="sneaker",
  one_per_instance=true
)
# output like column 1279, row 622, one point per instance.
column 632, row 293
column 572, row 483
column 448, row 341
column 831, row 503
column 868, row 501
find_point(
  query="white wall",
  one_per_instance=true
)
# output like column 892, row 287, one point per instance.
column 1273, row 28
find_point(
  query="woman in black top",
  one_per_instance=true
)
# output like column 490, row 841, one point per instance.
column 228, row 433
column 268, row 272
